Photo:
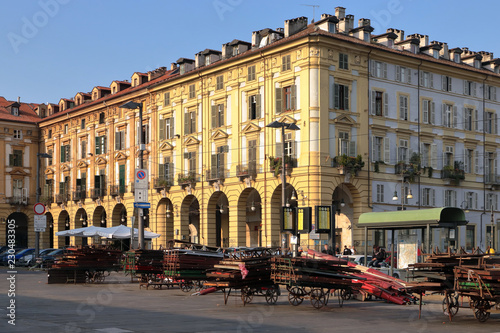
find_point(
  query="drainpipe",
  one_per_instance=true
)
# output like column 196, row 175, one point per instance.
column 418, row 130
column 484, row 174
column 368, row 135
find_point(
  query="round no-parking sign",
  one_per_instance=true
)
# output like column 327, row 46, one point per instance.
column 39, row 208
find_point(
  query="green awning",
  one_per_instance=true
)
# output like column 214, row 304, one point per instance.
column 407, row 219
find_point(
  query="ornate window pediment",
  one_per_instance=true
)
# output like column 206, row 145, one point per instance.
column 287, row 120
column 100, row 160
column 166, row 146
column 65, row 168
column 219, row 134
column 345, row 119
column 120, row 156
column 251, row 128
column 82, row 164
column 18, row 172
column 192, row 141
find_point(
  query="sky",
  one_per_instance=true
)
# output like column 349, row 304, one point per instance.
column 53, row 49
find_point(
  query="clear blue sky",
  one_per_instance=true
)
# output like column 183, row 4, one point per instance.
column 52, row 49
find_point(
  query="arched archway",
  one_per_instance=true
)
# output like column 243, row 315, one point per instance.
column 119, row 215
column 164, row 222
column 277, row 237
column 49, row 232
column 99, row 217
column 63, row 223
column 218, row 220
column 342, row 200
column 81, row 221
column 190, row 218
column 20, row 223
column 249, row 228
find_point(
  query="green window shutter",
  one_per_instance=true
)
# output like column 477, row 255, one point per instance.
column 11, row 159
column 161, row 170
column 117, row 140
column 161, row 133
column 278, row 92
column 336, row 96
column 294, row 97
column 97, row 181
column 97, row 146
column 214, row 116
column 213, row 166
column 61, row 187
column 62, row 153
column 257, row 106
column 346, row 97
column 221, row 115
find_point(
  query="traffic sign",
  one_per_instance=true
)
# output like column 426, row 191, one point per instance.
column 142, row 205
column 39, row 229
column 141, row 195
column 141, row 179
column 39, row 208
column 40, row 221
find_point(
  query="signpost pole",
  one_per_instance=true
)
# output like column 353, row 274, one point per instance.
column 37, row 233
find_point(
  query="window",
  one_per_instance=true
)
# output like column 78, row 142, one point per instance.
column 166, row 169
column 17, row 189
column 449, row 116
column 83, row 149
column 379, row 69
column 16, row 158
column 380, row 193
column 490, row 93
column 448, row 156
column 18, row 134
column 490, row 123
column 15, row 111
column 341, row 97
column 470, row 200
column 428, row 114
column 220, row 82
column 166, row 99
column 217, row 115
column 445, row 83
column 343, row 61
column 469, row 88
column 403, row 155
column 428, row 197
column 470, row 237
column 346, row 147
column 403, row 107
column 192, row 91
column 450, row 198
column 254, row 107
column 100, row 145
column 286, row 99
column 285, row 63
column 251, row 73
column 425, row 150
column 49, row 135
column 51, row 153
column 491, row 201
column 252, row 155
column 469, row 123
column 490, row 167
column 380, row 105
column 190, row 122
column 120, row 140
column 290, row 148
column 66, row 129
column 380, row 149
column 403, row 74
column 167, row 130
column 426, row 79
column 82, row 124
column 468, row 160
column 217, row 169
column 144, row 139
column 191, row 162
column 65, row 153
column 102, row 118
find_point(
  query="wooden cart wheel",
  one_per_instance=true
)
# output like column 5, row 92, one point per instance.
column 346, row 294
column 186, row 286
column 454, row 306
column 295, row 296
column 246, row 295
column 272, row 295
column 318, row 299
column 481, row 311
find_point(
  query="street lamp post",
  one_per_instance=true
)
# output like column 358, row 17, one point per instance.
column 38, row 189
column 408, row 196
column 283, row 126
column 132, row 106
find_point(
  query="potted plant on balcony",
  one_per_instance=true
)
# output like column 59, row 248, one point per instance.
column 348, row 164
column 186, row 179
column 454, row 173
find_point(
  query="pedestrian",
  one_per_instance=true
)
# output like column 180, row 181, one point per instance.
column 353, row 250
column 346, row 251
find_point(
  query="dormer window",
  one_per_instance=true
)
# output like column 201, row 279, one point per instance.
column 235, row 51
column 15, row 111
column 456, row 57
column 207, row 60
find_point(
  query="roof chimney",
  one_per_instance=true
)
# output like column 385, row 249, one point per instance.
column 340, row 12
column 173, row 66
column 295, row 25
column 19, row 99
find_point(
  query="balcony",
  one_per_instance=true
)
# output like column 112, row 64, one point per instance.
column 186, row 179
column 492, row 179
column 79, row 195
column 160, row 183
column 347, row 164
column 246, row 170
column 97, row 193
column 17, row 200
column 275, row 164
column 62, row 198
column 454, row 174
column 409, row 171
column 116, row 190
column 216, row 174
column 47, row 199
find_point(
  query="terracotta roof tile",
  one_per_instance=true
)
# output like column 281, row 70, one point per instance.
column 27, row 112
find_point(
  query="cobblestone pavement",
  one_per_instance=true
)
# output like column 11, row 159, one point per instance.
column 118, row 306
